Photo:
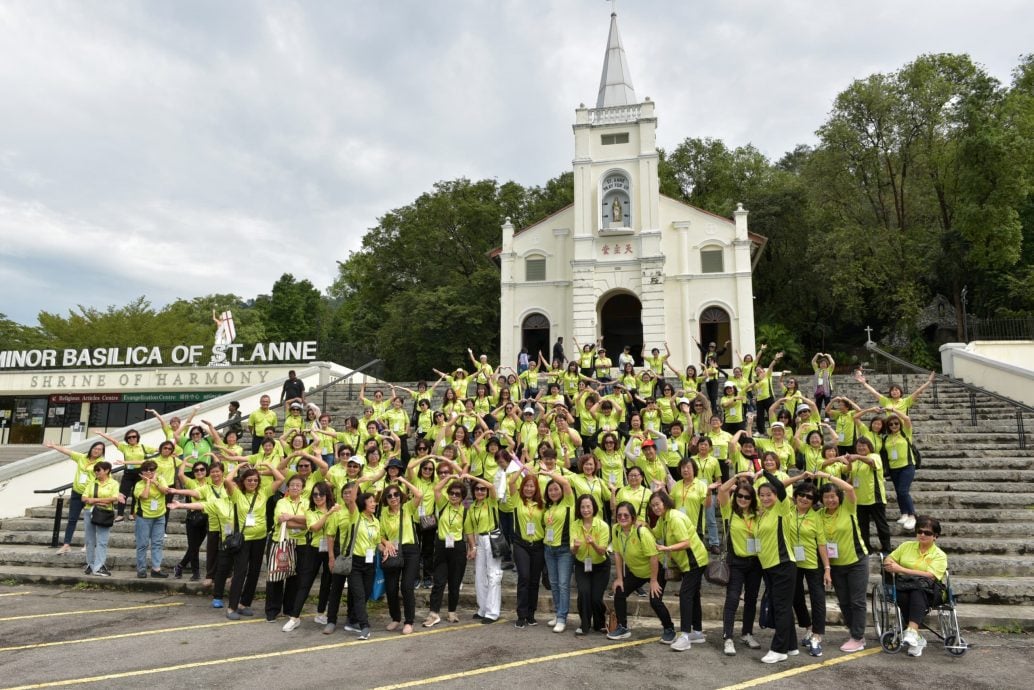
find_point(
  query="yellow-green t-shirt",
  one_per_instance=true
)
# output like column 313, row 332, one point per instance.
column 555, row 521
column 636, row 548
column 674, row 528
column 742, row 530
column 154, row 506
column 398, row 528
column 253, row 505
column 934, row 561
column 285, row 506
column 481, row 517
column 689, row 500
column 83, row 471
column 805, row 532
column 640, row 498
column 527, row 522
column 450, row 522
column 843, row 535
column 773, row 533
column 600, row 533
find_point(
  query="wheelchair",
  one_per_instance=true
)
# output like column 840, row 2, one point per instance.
column 889, row 623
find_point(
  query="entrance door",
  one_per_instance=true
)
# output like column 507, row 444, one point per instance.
column 715, row 328
column 621, row 319
column 535, row 336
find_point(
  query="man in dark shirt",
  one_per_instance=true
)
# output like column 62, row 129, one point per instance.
column 558, row 350
column 293, row 387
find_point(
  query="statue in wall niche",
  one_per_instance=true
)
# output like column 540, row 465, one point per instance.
column 616, row 214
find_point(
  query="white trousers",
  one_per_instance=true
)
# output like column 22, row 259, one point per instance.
column 488, row 579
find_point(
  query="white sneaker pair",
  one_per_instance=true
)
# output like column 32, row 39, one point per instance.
column 909, row 523
column 901, row 520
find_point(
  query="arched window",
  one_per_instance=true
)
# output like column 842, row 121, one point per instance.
column 616, row 195
column 712, row 260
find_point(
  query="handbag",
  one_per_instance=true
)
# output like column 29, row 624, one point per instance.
column 393, row 562
column 717, row 571
column 281, row 558
column 766, row 619
column 428, row 521
column 101, row 517
column 233, row 542
column 197, row 518
column 343, row 561
column 500, row 547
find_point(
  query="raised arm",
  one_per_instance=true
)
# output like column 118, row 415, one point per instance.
column 59, row 449
column 926, row 384
column 860, row 378
column 840, row 484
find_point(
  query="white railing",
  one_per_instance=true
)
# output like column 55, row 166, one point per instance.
column 615, row 114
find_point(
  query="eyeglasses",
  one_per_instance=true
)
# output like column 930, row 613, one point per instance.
column 925, row 533
column 624, row 516
column 391, row 496
column 132, row 438
column 305, row 466
column 745, row 497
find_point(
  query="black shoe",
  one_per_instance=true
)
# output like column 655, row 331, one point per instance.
column 641, row 592
column 520, row 624
column 159, row 574
column 88, row 570
column 714, row 549
column 531, row 621
column 195, row 577
column 477, row 616
column 177, row 572
column 486, row 621
column 103, row 570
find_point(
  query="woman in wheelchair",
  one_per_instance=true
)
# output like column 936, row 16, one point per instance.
column 917, row 565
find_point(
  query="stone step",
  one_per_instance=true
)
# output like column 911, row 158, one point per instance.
column 988, row 459
column 942, row 476
column 923, row 497
column 990, row 487
column 116, row 540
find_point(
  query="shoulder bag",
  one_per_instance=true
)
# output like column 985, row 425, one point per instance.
column 281, row 557
column 500, row 547
column 101, row 517
column 717, row 572
column 343, row 561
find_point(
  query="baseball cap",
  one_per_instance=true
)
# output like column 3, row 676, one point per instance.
column 648, row 443
column 358, row 460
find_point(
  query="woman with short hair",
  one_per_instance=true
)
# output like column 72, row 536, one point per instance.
column 249, row 496
column 481, row 519
column 133, row 453
column 84, row 464
column 921, row 558
column 682, row 551
column 848, row 557
column 99, row 494
column 636, row 563
column 739, row 506
column 149, row 531
column 590, row 538
column 398, row 519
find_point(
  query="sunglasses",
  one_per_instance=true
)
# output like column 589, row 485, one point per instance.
column 132, row 438
column 745, row 497
column 480, row 488
column 456, row 494
column 317, row 494
column 624, row 516
column 810, row 497
column 390, row 496
column 925, row 532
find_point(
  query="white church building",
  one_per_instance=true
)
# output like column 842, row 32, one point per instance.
column 624, row 262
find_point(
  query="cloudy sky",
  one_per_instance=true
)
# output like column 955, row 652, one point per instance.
column 180, row 148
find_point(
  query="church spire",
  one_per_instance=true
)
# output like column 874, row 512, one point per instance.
column 616, row 82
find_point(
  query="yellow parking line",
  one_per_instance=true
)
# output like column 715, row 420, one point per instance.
column 14, row 594
column 238, row 659
column 515, row 664
column 78, row 613
column 120, row 636
column 802, row 669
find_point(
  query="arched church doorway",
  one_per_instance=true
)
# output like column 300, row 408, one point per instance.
column 715, row 327
column 621, row 320
column 535, row 335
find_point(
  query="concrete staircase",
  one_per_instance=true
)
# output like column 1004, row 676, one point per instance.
column 974, row 478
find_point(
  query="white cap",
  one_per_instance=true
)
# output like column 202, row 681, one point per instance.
column 358, row 459
column 529, row 410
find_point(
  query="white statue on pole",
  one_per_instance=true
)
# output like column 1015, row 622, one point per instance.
column 225, row 333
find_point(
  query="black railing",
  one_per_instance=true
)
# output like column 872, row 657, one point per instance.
column 1020, row 328
column 60, row 490
column 906, row 366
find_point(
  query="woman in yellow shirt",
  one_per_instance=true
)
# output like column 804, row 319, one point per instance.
column 525, row 498
column 739, row 505
column 367, row 529
column 590, row 537
column 84, row 464
column 450, row 552
column 149, row 530
column 921, row 558
column 99, row 494
column 250, row 497
column 399, row 536
column 289, row 510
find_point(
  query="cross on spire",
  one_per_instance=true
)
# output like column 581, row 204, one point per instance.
column 868, row 335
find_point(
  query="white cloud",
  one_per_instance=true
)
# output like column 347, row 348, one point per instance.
column 179, row 149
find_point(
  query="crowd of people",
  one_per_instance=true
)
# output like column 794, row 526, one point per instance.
column 623, row 481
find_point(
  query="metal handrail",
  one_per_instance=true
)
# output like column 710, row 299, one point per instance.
column 59, row 508
column 973, row 391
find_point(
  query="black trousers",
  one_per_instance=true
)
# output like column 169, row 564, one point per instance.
column 761, row 418
column 403, row 580
column 360, row 585
column 223, row 564
column 125, row 487
column 449, row 565
column 745, row 579
column 691, row 613
column 247, row 564
column 850, row 583
column 913, row 604
column 591, row 588
column 195, row 537
column 817, row 595
column 280, row 597
column 529, row 559
column 212, row 554
column 337, row 587
column 310, row 564
column 782, row 579
column 427, row 539
column 630, row 583
column 877, row 512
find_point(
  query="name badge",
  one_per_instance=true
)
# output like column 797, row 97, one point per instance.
column 588, row 565
column 856, row 481
column 249, row 520
column 450, row 541
column 841, row 436
column 227, row 529
column 613, row 478
column 154, row 504
column 832, row 549
column 894, row 454
column 369, row 555
column 798, row 554
column 821, row 380
column 683, row 510
column 83, row 477
column 323, row 544
column 421, row 510
column 529, row 529
column 752, row 545
column 194, row 454
column 549, row 534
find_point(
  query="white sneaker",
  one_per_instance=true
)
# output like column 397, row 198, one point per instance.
column 773, row 658
column 291, row 624
column 910, row 523
column 697, row 636
column 560, row 627
column 730, row 647
column 910, row 637
column 918, row 646
column 901, row 520
column 551, row 622
column 681, row 644
column 750, row 641
column 320, row 619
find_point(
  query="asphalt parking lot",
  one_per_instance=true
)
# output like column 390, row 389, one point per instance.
column 77, row 636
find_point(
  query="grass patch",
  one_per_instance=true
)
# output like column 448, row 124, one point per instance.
column 84, row 587
column 9, row 582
